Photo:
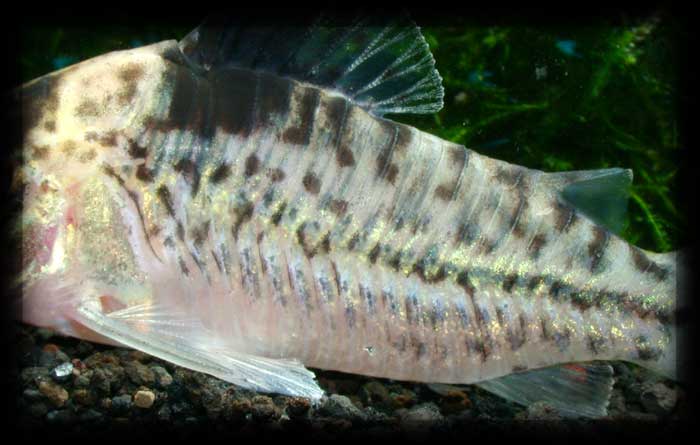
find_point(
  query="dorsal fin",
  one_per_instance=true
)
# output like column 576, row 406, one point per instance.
column 601, row 195
column 383, row 65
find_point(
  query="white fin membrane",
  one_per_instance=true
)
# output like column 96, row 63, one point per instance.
column 574, row 390
column 160, row 331
column 383, row 65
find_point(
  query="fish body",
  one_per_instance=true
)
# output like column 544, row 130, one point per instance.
column 243, row 221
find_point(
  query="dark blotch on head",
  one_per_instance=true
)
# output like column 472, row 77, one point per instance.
column 597, row 246
column 88, row 109
column 130, row 75
column 300, row 134
column 645, row 265
column 311, row 183
column 252, row 164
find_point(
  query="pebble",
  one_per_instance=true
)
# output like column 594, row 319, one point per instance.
column 62, row 372
column 33, row 374
column 32, row 395
column 56, row 394
column 38, row 409
column 61, row 416
column 375, row 393
column 121, row 404
column 422, row 417
column 83, row 397
column 341, row 407
column 659, row 399
column 162, row 376
column 140, row 373
column 144, row 399
column 264, row 408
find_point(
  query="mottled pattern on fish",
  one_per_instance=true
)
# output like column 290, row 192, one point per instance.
column 302, row 226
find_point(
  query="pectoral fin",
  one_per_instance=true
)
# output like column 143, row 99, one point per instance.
column 178, row 338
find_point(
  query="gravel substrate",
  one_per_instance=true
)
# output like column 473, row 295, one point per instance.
column 72, row 385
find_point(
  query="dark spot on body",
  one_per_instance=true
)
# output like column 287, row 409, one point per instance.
column 458, row 155
column 509, row 281
column 565, row 217
column 354, row 239
column 374, row 253
column 646, row 350
column 144, row 174
column 190, row 172
column 325, row 244
column 300, row 132
column 276, row 175
column 500, row 317
column 338, row 206
column 242, row 214
column 446, row 191
column 40, row 151
column 535, row 282
column 137, row 151
column 519, row 368
column 252, row 164
column 166, row 199
column 200, row 234
column 277, row 216
column 467, row 233
column 391, row 173
column 130, row 74
column 109, row 171
column 183, row 266
column 536, row 245
column 50, row 126
column 311, row 183
column 595, row 343
column 509, row 176
column 581, row 300
column 464, row 281
column 222, row 172
column 517, row 225
column 344, row 157
column 596, row 248
column 645, row 265
column 556, row 289
column 108, row 139
column 180, row 232
column 404, row 138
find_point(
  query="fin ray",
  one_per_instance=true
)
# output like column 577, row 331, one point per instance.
column 382, row 65
column 575, row 390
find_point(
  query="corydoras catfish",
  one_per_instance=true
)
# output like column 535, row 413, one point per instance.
column 237, row 203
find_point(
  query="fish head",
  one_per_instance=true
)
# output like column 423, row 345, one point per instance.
column 76, row 123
